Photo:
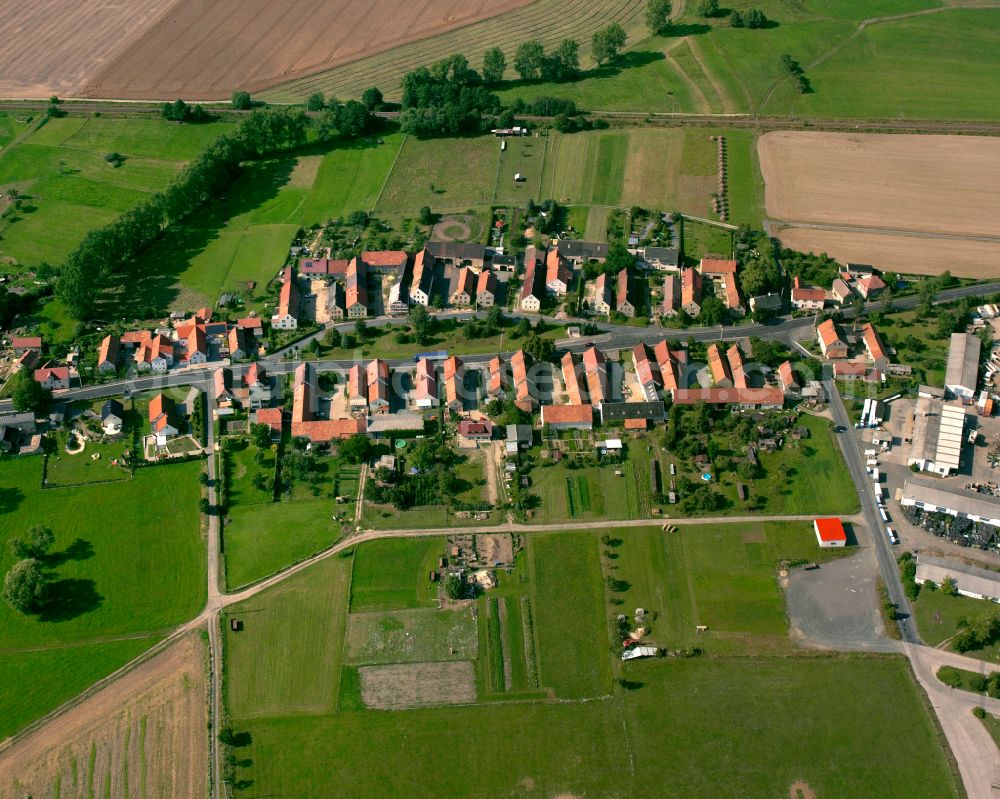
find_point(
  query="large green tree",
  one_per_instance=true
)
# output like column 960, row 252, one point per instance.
column 24, row 586
column 528, row 59
column 658, row 16
column 607, row 43
column 29, row 395
column 494, row 64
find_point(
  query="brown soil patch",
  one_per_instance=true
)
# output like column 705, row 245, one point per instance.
column 418, row 685
column 304, row 174
column 203, row 49
column 146, row 735
column 800, row 790
column 940, row 184
column 912, row 255
column 56, row 46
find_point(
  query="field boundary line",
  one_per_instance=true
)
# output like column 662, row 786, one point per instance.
column 392, row 169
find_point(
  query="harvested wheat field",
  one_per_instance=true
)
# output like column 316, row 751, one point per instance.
column 909, row 255
column 864, row 184
column 57, row 46
column 204, row 49
column 143, row 735
column 941, row 184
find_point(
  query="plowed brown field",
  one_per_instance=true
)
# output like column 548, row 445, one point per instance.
column 145, row 734
column 204, row 49
column 57, row 46
column 905, row 202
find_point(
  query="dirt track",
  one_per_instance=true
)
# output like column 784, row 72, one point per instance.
column 56, row 46
column 147, row 732
column 204, row 49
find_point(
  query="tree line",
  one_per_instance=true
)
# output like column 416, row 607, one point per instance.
column 107, row 252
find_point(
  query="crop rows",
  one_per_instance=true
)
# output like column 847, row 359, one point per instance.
column 550, row 21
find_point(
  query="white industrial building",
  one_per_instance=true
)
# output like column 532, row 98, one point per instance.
column 962, row 372
column 971, row 581
column 938, row 431
column 936, row 497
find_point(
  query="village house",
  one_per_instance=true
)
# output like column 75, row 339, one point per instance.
column 486, row 289
column 874, row 347
column 356, row 290
column 53, row 377
column 161, row 409
column 524, row 389
column 766, row 302
column 22, row 344
column 736, row 366
column 831, row 343
column 398, row 303
column 723, row 272
column 595, row 368
column 454, row 380
column 112, row 417
column 568, row 417
column 671, row 296
column 378, row 386
column 272, row 417
column 253, row 325
column 258, row 385
column 239, row 344
column 425, row 388
column 623, row 304
column 571, row 379
column 719, row 367
column 456, row 253
column 667, row 363
column 422, row 283
column 647, row 371
column 384, row 261
column 464, row 290
column 108, row 355
column 661, row 258
column 476, row 430
column 558, row 273
column 622, row 412
column 602, row 295
column 336, row 302
column 304, row 404
column 841, row 291
column 807, row 299
column 357, row 387
column 532, row 289
column 195, row 344
column 286, row 316
column 499, row 378
column 581, row 252
column 691, row 291
column 222, row 384
column 787, row 378
column 769, row 397
column 870, row 286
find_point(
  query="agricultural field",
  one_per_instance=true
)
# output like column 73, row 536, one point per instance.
column 672, row 721
column 78, row 41
column 392, row 574
column 303, row 618
column 246, row 236
column 69, row 188
column 870, row 182
column 128, row 563
column 143, row 735
column 410, row 636
column 562, row 19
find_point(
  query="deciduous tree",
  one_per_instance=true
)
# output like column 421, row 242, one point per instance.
column 658, row 16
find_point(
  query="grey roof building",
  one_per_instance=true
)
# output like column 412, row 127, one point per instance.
column 962, row 371
column 578, row 251
column 936, row 497
column 620, row 411
column 970, row 580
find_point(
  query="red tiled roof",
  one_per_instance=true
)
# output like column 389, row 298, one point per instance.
column 250, row 323
column 715, row 266
column 382, row 258
column 487, row 282
column 26, row 342
column 729, row 396
column 786, row 375
column 136, row 336
column 718, row 365
column 57, row 372
column 110, row 349
column 571, row 379
column 567, row 414
column 636, row 424
column 873, row 343
column 735, row 358
column 828, row 333
column 271, row 417
column 321, row 431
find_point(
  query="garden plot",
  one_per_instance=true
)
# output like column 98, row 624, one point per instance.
column 411, row 636
column 417, row 685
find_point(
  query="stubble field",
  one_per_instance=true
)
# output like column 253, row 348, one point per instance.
column 911, row 203
column 228, row 44
column 143, row 735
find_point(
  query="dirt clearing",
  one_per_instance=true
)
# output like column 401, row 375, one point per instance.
column 939, row 184
column 418, row 685
column 56, row 47
column 911, row 255
column 203, row 49
column 143, row 735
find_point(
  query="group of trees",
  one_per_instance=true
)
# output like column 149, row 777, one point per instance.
column 105, row 252
column 980, row 632
column 748, row 18
column 179, row 111
column 531, row 61
column 24, row 584
column 345, row 120
column 447, row 98
column 433, row 482
column 796, row 73
column 28, row 394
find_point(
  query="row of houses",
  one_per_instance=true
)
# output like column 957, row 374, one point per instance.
column 683, row 291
